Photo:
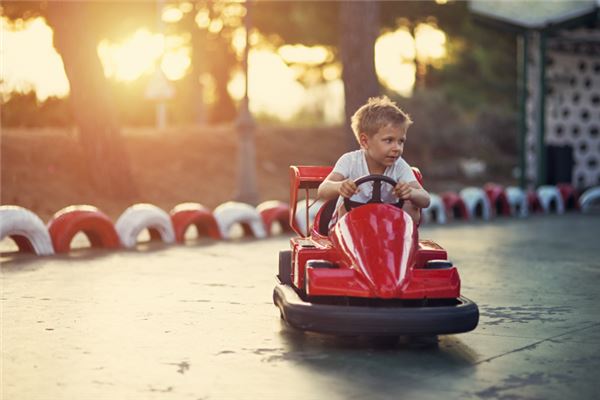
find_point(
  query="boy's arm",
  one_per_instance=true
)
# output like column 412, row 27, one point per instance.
column 336, row 185
column 414, row 192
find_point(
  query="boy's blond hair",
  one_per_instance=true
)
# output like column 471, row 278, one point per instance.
column 378, row 113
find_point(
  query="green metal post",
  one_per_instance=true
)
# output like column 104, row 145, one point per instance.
column 522, row 90
column 541, row 173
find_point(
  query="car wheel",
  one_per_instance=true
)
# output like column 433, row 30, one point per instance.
column 285, row 267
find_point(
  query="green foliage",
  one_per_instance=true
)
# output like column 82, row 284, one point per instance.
column 482, row 69
column 23, row 110
column 307, row 22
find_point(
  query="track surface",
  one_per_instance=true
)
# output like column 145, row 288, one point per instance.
column 197, row 322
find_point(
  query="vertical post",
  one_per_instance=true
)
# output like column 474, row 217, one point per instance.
column 522, row 101
column 541, row 142
column 246, row 185
column 161, row 106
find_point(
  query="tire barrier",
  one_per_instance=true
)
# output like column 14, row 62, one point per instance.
column 550, row 199
column 436, row 212
column 275, row 211
column 144, row 216
column 313, row 209
column 499, row 204
column 30, row 234
column 517, row 201
column 26, row 229
column 185, row 215
column 69, row 221
column 233, row 212
column 589, row 201
column 569, row 196
column 455, row 206
column 477, row 202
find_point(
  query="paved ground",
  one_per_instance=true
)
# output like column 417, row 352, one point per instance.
column 197, row 322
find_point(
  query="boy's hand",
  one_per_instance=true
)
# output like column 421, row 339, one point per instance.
column 347, row 188
column 402, row 190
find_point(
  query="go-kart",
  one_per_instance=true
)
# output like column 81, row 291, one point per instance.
column 368, row 274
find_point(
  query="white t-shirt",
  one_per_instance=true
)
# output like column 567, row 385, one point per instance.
column 353, row 165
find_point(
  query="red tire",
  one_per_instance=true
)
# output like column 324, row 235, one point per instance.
column 455, row 206
column 569, row 195
column 533, row 202
column 498, row 199
column 186, row 214
column 275, row 211
column 69, row 221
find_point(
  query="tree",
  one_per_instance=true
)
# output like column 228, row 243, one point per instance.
column 78, row 27
column 359, row 28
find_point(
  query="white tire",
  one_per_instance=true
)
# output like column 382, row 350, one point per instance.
column 17, row 221
column 549, row 194
column 143, row 216
column 313, row 208
column 517, row 199
column 436, row 212
column 589, row 201
column 474, row 197
column 232, row 212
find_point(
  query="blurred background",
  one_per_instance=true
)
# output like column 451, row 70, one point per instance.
column 111, row 103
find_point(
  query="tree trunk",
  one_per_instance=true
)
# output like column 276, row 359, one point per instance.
column 359, row 22
column 76, row 36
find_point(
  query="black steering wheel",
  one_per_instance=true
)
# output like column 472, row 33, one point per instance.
column 376, row 195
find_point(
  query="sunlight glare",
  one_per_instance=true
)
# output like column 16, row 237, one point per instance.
column 26, row 46
column 132, row 58
column 431, row 42
column 298, row 53
column 175, row 63
column 172, row 14
column 394, row 55
column 282, row 99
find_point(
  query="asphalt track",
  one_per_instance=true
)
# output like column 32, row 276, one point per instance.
column 197, row 322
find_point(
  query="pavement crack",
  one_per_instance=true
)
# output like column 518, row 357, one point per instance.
column 535, row 344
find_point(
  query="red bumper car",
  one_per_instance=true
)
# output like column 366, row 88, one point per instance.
column 368, row 274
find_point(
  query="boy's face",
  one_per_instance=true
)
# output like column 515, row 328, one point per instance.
column 384, row 147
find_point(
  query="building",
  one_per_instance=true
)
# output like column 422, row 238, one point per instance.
column 559, row 86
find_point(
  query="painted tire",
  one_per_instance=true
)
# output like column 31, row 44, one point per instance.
column 275, row 211
column 98, row 228
column 569, row 196
column 26, row 229
column 455, row 206
column 496, row 194
column 551, row 199
column 313, row 208
column 517, row 199
column 589, row 201
column 533, row 202
column 436, row 212
column 233, row 212
column 477, row 202
column 144, row 216
column 185, row 215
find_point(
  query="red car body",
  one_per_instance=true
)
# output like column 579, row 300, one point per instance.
column 367, row 274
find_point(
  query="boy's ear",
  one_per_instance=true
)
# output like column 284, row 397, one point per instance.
column 363, row 140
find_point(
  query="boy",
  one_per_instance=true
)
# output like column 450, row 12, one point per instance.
column 380, row 128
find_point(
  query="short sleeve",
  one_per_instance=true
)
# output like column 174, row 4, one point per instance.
column 404, row 172
column 343, row 165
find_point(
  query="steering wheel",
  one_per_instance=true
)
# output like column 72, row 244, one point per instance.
column 376, row 195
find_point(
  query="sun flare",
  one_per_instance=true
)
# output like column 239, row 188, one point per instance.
column 273, row 74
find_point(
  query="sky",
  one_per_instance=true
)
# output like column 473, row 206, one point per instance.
column 29, row 62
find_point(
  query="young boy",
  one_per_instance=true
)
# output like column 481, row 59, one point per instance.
column 380, row 128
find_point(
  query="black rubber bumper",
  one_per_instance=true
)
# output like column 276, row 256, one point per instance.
column 362, row 320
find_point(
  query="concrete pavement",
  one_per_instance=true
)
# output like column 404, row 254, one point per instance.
column 197, row 322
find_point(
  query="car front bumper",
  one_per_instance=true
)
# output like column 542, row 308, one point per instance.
column 369, row 320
